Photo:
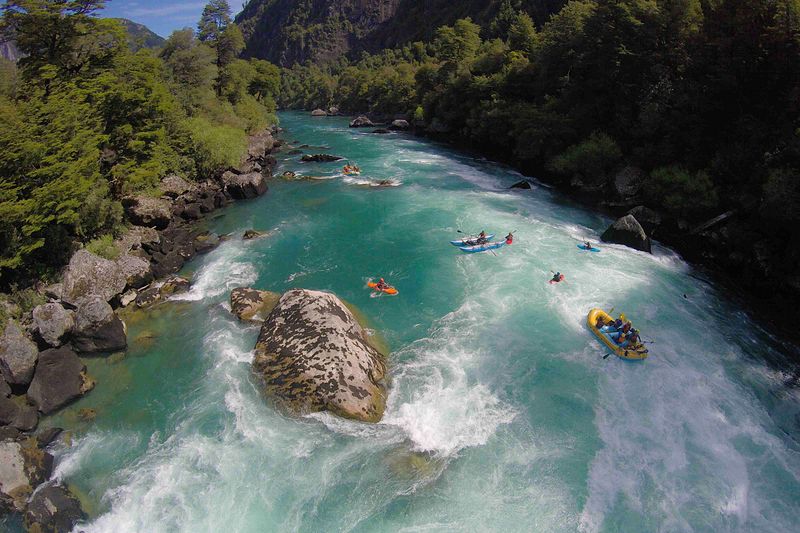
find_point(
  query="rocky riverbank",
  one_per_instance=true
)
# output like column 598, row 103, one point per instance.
column 40, row 353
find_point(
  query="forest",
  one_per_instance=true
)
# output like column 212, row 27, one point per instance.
column 85, row 121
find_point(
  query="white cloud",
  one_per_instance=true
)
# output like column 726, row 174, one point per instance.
column 161, row 11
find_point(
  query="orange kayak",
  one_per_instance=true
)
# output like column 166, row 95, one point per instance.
column 387, row 290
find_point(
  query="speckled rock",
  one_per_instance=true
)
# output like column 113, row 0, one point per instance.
column 244, row 186
column 18, row 355
column 53, row 323
column 147, row 211
column 18, row 413
column 361, row 121
column 251, row 304
column 319, row 113
column 629, row 232
column 313, row 355
column 59, row 379
column 174, row 185
column 97, row 327
column 174, row 285
column 53, row 509
column 23, row 466
column 91, row 275
column 137, row 271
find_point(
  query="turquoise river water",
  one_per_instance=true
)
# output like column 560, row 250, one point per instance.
column 502, row 415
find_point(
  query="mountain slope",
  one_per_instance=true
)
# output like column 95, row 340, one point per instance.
column 140, row 36
column 286, row 32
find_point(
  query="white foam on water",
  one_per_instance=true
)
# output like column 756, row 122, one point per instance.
column 224, row 269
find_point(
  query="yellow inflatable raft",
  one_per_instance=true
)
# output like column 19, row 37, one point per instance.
column 633, row 353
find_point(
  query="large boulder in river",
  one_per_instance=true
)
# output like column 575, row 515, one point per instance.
column 97, row 328
column 524, row 184
column 148, row 211
column 313, row 355
column 244, row 186
column 53, row 509
column 251, row 304
column 361, row 121
column 53, row 323
column 59, row 379
column 319, row 113
column 91, row 275
column 18, row 355
column 629, row 232
column 648, row 218
column 23, row 467
column 399, row 124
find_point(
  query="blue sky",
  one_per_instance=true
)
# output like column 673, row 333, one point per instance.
column 161, row 16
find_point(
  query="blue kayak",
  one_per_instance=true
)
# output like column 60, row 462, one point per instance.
column 582, row 247
column 470, row 241
column 482, row 247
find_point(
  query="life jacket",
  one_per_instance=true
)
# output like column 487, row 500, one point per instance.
column 509, row 239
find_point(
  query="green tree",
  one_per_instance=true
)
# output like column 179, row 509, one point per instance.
column 522, row 34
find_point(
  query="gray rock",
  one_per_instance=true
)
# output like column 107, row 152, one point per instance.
column 23, row 467
column 53, row 291
column 629, row 232
column 137, row 271
column 136, row 238
column 5, row 389
column 524, row 184
column 174, row 186
column 251, row 304
column 148, row 297
column 147, row 211
column 333, row 110
column 174, row 285
column 53, row 509
column 128, row 298
column 165, row 264
column 648, row 218
column 91, row 275
column 628, row 181
column 53, row 323
column 45, row 437
column 97, row 327
column 259, row 145
column 18, row 355
column 17, row 413
column 252, row 234
column 244, row 186
column 59, row 379
column 319, row 113
column 206, row 242
column 399, row 124
column 313, row 355
column 361, row 121
column 319, row 158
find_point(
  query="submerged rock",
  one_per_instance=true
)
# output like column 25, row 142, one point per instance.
column 524, row 184
column 53, row 509
column 319, row 158
column 53, row 323
column 91, row 275
column 252, row 234
column 251, row 304
column 18, row 355
column 313, row 355
column 629, row 232
column 59, row 379
column 98, row 328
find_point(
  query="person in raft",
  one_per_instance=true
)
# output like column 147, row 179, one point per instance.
column 481, row 238
column 381, row 285
column 510, row 238
column 557, row 278
column 587, row 245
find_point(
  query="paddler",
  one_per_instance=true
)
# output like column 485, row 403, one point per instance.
column 481, row 238
column 557, row 279
column 510, row 238
column 381, row 285
column 587, row 245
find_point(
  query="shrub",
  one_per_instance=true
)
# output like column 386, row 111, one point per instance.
column 214, row 147
column 680, row 192
column 104, row 247
column 594, row 157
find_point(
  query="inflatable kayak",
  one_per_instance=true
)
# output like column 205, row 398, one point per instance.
column 387, row 290
column 631, row 353
column 482, row 247
column 351, row 172
column 560, row 279
column 585, row 249
column 470, row 242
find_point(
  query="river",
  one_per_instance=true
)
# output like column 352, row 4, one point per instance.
column 503, row 414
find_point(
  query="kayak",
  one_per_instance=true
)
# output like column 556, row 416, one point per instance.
column 634, row 353
column 351, row 172
column 592, row 249
column 482, row 247
column 560, row 278
column 387, row 290
column 470, row 242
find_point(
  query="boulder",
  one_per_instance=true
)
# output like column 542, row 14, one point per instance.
column 259, row 145
column 289, row 175
column 128, row 298
column 189, row 211
column 319, row 113
column 165, row 264
column 23, row 467
column 206, row 242
column 319, row 158
column 97, row 328
column 174, row 186
column 244, row 186
column 399, row 124
column 252, row 234
column 313, row 355
column 59, row 379
column 91, row 275
column 53, row 291
column 361, row 121
column 629, row 232
column 5, row 389
column 53, row 509
column 524, row 184
column 136, row 238
column 53, row 323
column 333, row 110
column 137, row 271
column 628, row 181
column 251, row 304
column 45, row 437
column 148, row 211
column 148, row 297
column 175, row 285
column 648, row 218
column 18, row 355
column 18, row 414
